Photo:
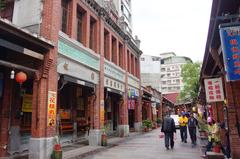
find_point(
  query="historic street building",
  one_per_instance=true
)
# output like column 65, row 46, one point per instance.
column 83, row 78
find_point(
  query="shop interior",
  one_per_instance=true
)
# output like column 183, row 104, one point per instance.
column 74, row 109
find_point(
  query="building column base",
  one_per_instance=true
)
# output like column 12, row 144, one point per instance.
column 14, row 139
column 95, row 137
column 138, row 126
column 123, row 130
column 41, row 148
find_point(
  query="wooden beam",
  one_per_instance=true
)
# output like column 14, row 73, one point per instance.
column 16, row 66
column 20, row 49
column 216, row 57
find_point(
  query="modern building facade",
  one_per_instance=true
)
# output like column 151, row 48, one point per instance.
column 163, row 72
column 150, row 71
column 170, row 70
column 81, row 81
column 122, row 12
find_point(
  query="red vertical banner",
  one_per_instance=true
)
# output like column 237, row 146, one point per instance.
column 51, row 113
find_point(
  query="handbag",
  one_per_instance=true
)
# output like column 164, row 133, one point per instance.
column 161, row 135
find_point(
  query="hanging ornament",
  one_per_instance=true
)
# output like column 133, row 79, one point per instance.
column 21, row 77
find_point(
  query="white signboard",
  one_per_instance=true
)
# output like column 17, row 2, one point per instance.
column 214, row 90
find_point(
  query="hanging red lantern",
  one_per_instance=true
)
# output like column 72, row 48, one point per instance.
column 21, row 77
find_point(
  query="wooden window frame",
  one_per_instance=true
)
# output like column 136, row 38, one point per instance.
column 65, row 14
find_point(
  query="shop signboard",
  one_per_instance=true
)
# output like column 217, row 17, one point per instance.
column 133, row 81
column 114, row 84
column 27, row 103
column 69, row 49
column 230, row 40
column 113, row 71
column 102, row 113
column 214, row 90
column 51, row 113
column 132, row 93
column 131, row 104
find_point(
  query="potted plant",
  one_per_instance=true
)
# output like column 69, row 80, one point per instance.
column 159, row 122
column 203, row 128
column 57, row 149
column 147, row 125
column 216, row 147
column 105, row 130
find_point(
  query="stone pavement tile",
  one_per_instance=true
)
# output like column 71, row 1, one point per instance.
column 149, row 146
column 79, row 151
column 86, row 150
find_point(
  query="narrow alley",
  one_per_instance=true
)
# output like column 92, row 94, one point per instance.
column 149, row 146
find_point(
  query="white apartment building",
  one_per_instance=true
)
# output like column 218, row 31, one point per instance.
column 150, row 71
column 170, row 70
column 122, row 9
column 163, row 72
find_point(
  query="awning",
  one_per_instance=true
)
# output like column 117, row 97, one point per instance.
column 78, row 81
column 114, row 91
column 21, row 37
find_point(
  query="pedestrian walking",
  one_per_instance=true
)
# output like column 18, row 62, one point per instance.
column 183, row 120
column 192, row 128
column 168, row 128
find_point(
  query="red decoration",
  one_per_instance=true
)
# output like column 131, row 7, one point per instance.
column 21, row 77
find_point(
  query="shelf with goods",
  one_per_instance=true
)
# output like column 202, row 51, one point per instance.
column 66, row 122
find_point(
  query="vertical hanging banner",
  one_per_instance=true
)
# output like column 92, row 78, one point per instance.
column 214, row 90
column 52, row 104
column 230, row 41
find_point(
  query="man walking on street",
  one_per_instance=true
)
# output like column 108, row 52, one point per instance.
column 183, row 120
column 168, row 127
column 192, row 125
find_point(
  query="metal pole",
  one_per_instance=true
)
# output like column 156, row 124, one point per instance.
column 217, row 112
column 16, row 66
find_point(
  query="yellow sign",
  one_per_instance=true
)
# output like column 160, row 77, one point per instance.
column 102, row 113
column 52, row 102
column 27, row 103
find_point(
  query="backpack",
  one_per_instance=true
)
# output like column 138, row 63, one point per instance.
column 167, row 126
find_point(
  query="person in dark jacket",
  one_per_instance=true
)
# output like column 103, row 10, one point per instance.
column 192, row 128
column 168, row 128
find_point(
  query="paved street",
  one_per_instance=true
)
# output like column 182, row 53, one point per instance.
column 149, row 146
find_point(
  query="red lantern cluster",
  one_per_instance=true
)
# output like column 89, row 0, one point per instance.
column 21, row 77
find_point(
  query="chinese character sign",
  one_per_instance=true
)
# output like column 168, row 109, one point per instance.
column 214, row 90
column 52, row 102
column 230, row 40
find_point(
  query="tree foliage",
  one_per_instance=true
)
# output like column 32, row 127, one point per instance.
column 190, row 74
column 2, row 4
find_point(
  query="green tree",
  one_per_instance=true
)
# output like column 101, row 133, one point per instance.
column 190, row 74
column 2, row 4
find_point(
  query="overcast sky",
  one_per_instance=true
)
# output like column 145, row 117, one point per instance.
column 179, row 26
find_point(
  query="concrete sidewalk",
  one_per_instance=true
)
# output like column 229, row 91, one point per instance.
column 85, row 150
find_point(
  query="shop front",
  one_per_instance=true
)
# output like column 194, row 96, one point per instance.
column 146, row 105
column 133, row 95
column 115, row 106
column 113, row 93
column 77, row 95
column 134, row 100
column 21, row 58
